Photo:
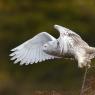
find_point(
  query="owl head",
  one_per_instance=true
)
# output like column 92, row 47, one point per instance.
column 51, row 47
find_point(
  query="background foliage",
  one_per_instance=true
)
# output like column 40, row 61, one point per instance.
column 20, row 20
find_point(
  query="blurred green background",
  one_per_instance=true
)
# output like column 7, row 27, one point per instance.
column 20, row 20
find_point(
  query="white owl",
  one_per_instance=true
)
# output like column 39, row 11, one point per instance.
column 44, row 46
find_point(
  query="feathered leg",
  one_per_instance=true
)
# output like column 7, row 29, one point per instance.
column 83, row 59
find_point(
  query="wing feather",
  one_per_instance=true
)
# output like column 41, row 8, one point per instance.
column 31, row 51
column 70, row 37
column 65, row 31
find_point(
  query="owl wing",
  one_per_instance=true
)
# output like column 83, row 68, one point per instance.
column 31, row 51
column 65, row 31
column 74, row 38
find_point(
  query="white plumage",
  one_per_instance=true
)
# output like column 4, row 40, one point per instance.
column 43, row 46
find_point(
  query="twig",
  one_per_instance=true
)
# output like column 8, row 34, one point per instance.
column 84, row 79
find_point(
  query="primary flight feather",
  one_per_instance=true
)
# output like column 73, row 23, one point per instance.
column 43, row 46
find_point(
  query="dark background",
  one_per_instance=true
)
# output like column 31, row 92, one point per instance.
column 20, row 20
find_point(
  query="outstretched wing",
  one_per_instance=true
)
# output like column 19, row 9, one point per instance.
column 69, row 35
column 65, row 31
column 31, row 51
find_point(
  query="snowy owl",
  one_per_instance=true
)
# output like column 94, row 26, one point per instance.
column 43, row 46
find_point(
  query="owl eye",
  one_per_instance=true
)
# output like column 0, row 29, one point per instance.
column 45, row 46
